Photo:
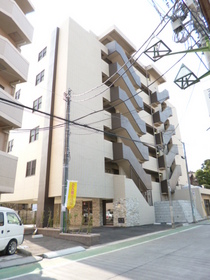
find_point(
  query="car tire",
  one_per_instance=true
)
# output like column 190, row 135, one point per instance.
column 12, row 247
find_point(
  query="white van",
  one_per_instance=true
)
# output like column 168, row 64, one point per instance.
column 11, row 230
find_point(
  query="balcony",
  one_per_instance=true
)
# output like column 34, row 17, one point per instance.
column 169, row 158
column 7, row 172
column 9, row 115
column 172, row 181
column 14, row 22
column 13, row 66
column 168, row 133
column 161, row 117
column 159, row 97
column 25, row 6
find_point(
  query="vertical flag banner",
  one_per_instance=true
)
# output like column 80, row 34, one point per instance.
column 71, row 194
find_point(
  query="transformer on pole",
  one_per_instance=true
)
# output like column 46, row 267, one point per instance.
column 189, row 26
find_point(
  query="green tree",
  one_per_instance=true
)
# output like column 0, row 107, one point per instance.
column 203, row 174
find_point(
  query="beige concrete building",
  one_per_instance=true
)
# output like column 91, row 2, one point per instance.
column 15, row 31
column 123, row 137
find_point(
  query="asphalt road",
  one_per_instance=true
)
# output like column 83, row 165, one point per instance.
column 181, row 253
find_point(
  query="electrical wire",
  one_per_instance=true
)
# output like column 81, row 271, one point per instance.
column 85, row 126
column 121, row 67
column 131, row 58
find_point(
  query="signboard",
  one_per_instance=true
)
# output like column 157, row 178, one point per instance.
column 71, row 194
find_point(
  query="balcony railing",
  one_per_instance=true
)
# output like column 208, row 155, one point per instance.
column 14, row 23
column 13, row 66
column 161, row 117
column 7, row 172
column 159, row 97
column 26, row 6
column 9, row 115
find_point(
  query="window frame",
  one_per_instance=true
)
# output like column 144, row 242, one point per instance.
column 31, row 168
column 10, row 146
column 42, row 53
column 17, row 94
column 40, row 77
column 34, row 134
column 37, row 103
column 1, row 219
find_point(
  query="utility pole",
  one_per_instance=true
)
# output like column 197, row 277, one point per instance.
column 189, row 185
column 64, row 210
column 169, row 190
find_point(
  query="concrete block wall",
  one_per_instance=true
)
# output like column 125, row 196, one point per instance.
column 129, row 210
column 182, row 212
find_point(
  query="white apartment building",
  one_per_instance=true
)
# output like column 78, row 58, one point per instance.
column 123, row 149
column 15, row 31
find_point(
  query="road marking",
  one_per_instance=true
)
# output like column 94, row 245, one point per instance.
column 136, row 241
column 45, row 264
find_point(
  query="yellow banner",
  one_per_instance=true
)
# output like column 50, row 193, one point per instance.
column 71, row 194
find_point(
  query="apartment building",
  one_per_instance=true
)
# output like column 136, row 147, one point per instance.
column 15, row 31
column 122, row 146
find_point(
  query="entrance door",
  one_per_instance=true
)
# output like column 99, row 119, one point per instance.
column 108, row 215
column 86, row 211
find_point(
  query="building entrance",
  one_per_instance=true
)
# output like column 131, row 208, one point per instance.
column 108, row 213
column 86, row 211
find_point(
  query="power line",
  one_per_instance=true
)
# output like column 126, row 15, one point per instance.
column 73, row 122
column 152, row 35
column 12, row 103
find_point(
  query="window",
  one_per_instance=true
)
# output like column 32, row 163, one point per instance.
column 34, row 134
column 40, row 77
column 10, row 145
column 13, row 219
column 42, row 54
column 17, row 94
column 1, row 219
column 37, row 103
column 30, row 168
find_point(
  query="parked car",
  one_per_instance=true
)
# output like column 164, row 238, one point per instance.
column 11, row 231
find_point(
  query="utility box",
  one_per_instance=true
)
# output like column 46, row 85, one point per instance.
column 177, row 25
column 190, row 4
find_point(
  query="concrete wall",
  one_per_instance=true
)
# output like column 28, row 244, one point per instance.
column 181, row 212
column 183, row 194
column 130, row 204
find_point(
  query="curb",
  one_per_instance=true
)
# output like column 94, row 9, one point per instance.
column 63, row 252
column 20, row 261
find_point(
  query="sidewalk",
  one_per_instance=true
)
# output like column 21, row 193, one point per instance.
column 34, row 249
